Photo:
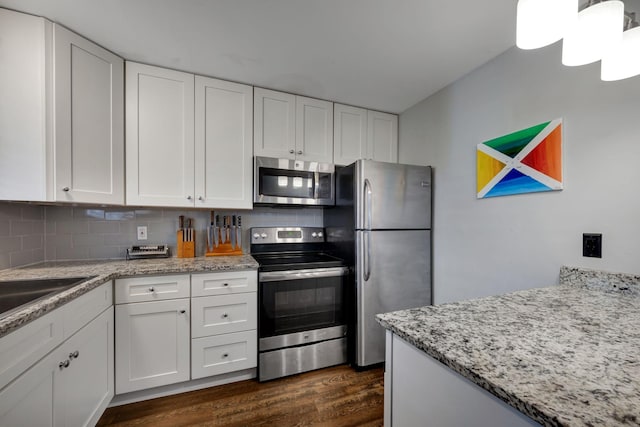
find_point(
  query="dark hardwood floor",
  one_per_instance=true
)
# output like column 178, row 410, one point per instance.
column 337, row 396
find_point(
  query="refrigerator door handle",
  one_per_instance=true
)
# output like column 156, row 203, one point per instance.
column 366, row 222
column 367, row 256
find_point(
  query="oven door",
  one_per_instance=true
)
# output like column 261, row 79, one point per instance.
column 301, row 306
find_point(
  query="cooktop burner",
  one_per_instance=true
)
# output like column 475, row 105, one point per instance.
column 291, row 248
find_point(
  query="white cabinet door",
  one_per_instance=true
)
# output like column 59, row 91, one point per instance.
column 274, row 124
column 349, row 134
column 28, row 401
column 89, row 121
column 64, row 389
column 292, row 127
column 223, row 144
column 160, row 140
column 25, row 93
column 382, row 137
column 314, row 130
column 84, row 388
column 152, row 344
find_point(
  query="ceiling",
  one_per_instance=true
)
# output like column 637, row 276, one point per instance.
column 380, row 54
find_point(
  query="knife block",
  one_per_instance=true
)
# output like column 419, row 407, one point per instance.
column 185, row 249
column 223, row 249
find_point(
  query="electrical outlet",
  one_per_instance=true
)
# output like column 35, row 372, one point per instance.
column 142, row 232
column 592, row 245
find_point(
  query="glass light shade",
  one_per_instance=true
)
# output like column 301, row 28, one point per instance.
column 542, row 22
column 598, row 28
column 623, row 61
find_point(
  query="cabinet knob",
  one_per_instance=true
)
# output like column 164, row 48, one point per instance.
column 66, row 189
column 299, row 151
column 225, row 355
column 201, row 198
column 183, row 311
column 189, row 197
column 291, row 151
column 151, row 289
column 64, row 364
column 225, row 284
column 74, row 355
column 225, row 315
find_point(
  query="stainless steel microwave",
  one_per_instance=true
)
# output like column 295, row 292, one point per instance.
column 293, row 182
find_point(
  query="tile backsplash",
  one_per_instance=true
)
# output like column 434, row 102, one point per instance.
column 73, row 233
column 21, row 234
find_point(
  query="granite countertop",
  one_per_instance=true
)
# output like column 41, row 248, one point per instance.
column 101, row 272
column 566, row 355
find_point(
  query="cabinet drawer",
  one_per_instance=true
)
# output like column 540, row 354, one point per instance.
column 153, row 288
column 228, row 282
column 223, row 314
column 84, row 309
column 24, row 347
column 224, row 353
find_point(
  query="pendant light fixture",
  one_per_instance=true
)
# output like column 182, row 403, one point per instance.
column 623, row 60
column 597, row 29
column 543, row 22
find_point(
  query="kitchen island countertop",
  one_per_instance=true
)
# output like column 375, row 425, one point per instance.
column 103, row 272
column 566, row 355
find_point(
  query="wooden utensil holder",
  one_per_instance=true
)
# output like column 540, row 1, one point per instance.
column 185, row 249
column 223, row 249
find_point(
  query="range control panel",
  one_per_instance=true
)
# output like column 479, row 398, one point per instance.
column 262, row 235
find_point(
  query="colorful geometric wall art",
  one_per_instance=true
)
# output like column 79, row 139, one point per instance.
column 526, row 161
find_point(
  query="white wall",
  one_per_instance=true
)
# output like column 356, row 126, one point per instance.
column 497, row 245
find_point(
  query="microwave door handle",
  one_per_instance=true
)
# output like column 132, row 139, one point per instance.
column 316, row 180
column 366, row 203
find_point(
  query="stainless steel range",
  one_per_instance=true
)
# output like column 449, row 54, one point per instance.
column 301, row 300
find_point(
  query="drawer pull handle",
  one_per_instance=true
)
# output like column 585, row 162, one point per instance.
column 225, row 315
column 74, row 355
column 225, row 355
column 64, row 364
column 225, row 284
column 151, row 289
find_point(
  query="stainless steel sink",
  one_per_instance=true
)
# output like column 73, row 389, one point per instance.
column 15, row 294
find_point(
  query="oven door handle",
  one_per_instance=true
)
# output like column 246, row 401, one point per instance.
column 312, row 273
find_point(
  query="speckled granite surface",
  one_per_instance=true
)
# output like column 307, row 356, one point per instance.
column 105, row 271
column 566, row 355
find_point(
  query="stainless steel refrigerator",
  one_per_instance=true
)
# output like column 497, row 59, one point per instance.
column 382, row 225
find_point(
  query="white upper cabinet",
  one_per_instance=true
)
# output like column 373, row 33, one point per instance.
column 364, row 134
column 160, row 136
column 382, row 136
column 274, row 124
column 223, row 144
column 189, row 140
column 349, row 134
column 89, row 117
column 61, row 138
column 292, row 127
column 314, row 130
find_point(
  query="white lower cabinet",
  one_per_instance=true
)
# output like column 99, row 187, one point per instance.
column 220, row 354
column 152, row 341
column 175, row 328
column 71, row 386
column 417, row 387
column 224, row 323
